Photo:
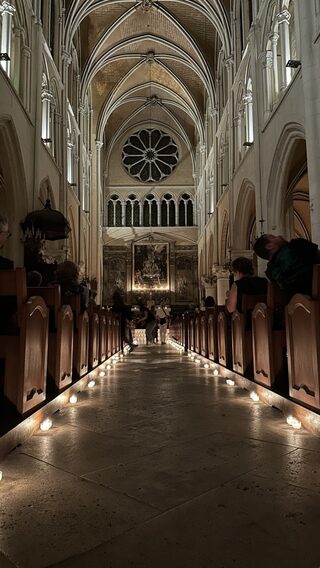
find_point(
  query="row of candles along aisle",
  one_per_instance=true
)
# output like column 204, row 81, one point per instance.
column 47, row 423
column 291, row 420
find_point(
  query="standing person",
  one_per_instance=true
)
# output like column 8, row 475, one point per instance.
column 162, row 314
column 290, row 263
column 124, row 311
column 244, row 283
column 5, row 263
column 149, row 319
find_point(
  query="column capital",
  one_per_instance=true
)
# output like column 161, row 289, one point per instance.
column 99, row 144
column 247, row 98
column 229, row 62
column 7, row 8
column 46, row 95
column 273, row 36
column 283, row 17
column 267, row 59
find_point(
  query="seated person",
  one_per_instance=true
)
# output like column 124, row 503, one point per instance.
column 34, row 279
column 244, row 283
column 290, row 264
column 209, row 302
column 67, row 275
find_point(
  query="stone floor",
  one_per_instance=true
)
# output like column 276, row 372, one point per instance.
column 162, row 465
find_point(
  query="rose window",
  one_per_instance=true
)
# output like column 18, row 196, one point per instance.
column 150, row 155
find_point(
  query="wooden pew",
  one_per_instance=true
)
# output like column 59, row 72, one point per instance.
column 197, row 346
column 102, row 333
column 81, row 334
column 191, row 331
column 116, row 340
column 109, row 334
column 204, row 333
column 269, row 341
column 94, row 342
column 224, row 338
column 25, row 352
column 241, row 334
column 212, row 333
column 60, row 347
column 303, row 345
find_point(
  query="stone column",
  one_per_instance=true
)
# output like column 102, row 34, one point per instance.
column 283, row 19
column 6, row 10
column 24, row 77
column 274, row 38
column 310, row 83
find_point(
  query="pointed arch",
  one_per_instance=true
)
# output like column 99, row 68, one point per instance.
column 245, row 214
column 279, row 172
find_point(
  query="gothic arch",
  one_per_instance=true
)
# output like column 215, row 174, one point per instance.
column 13, row 190
column 244, row 215
column 278, row 179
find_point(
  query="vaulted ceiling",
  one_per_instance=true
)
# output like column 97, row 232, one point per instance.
column 147, row 60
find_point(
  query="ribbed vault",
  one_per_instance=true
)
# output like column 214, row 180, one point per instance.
column 149, row 61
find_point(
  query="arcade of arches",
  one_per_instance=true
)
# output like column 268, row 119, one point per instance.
column 169, row 133
column 160, row 123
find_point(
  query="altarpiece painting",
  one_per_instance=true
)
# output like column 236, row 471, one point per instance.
column 150, row 266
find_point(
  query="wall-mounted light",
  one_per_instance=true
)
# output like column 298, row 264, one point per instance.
column 4, row 57
column 46, row 140
column 293, row 63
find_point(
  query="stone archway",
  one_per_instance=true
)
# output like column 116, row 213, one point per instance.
column 13, row 191
column 292, row 136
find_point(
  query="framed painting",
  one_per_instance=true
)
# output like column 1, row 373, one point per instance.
column 150, row 267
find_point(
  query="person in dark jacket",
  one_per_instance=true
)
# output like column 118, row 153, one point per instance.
column 5, row 263
column 121, row 309
column 244, row 283
column 290, row 263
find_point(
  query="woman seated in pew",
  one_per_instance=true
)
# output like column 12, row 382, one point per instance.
column 244, row 282
column 67, row 275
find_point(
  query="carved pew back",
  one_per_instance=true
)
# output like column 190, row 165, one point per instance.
column 25, row 352
column 212, row 333
column 269, row 341
column 303, row 344
column 60, row 347
column 242, row 358
column 224, row 338
column 81, row 334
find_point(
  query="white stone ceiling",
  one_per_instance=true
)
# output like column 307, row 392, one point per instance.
column 149, row 61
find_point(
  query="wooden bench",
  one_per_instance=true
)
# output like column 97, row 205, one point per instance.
column 212, row 333
column 303, row 344
column 24, row 351
column 94, row 341
column 269, row 341
column 81, row 334
column 102, row 333
column 191, row 331
column 197, row 346
column 224, row 338
column 241, row 334
column 60, row 348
